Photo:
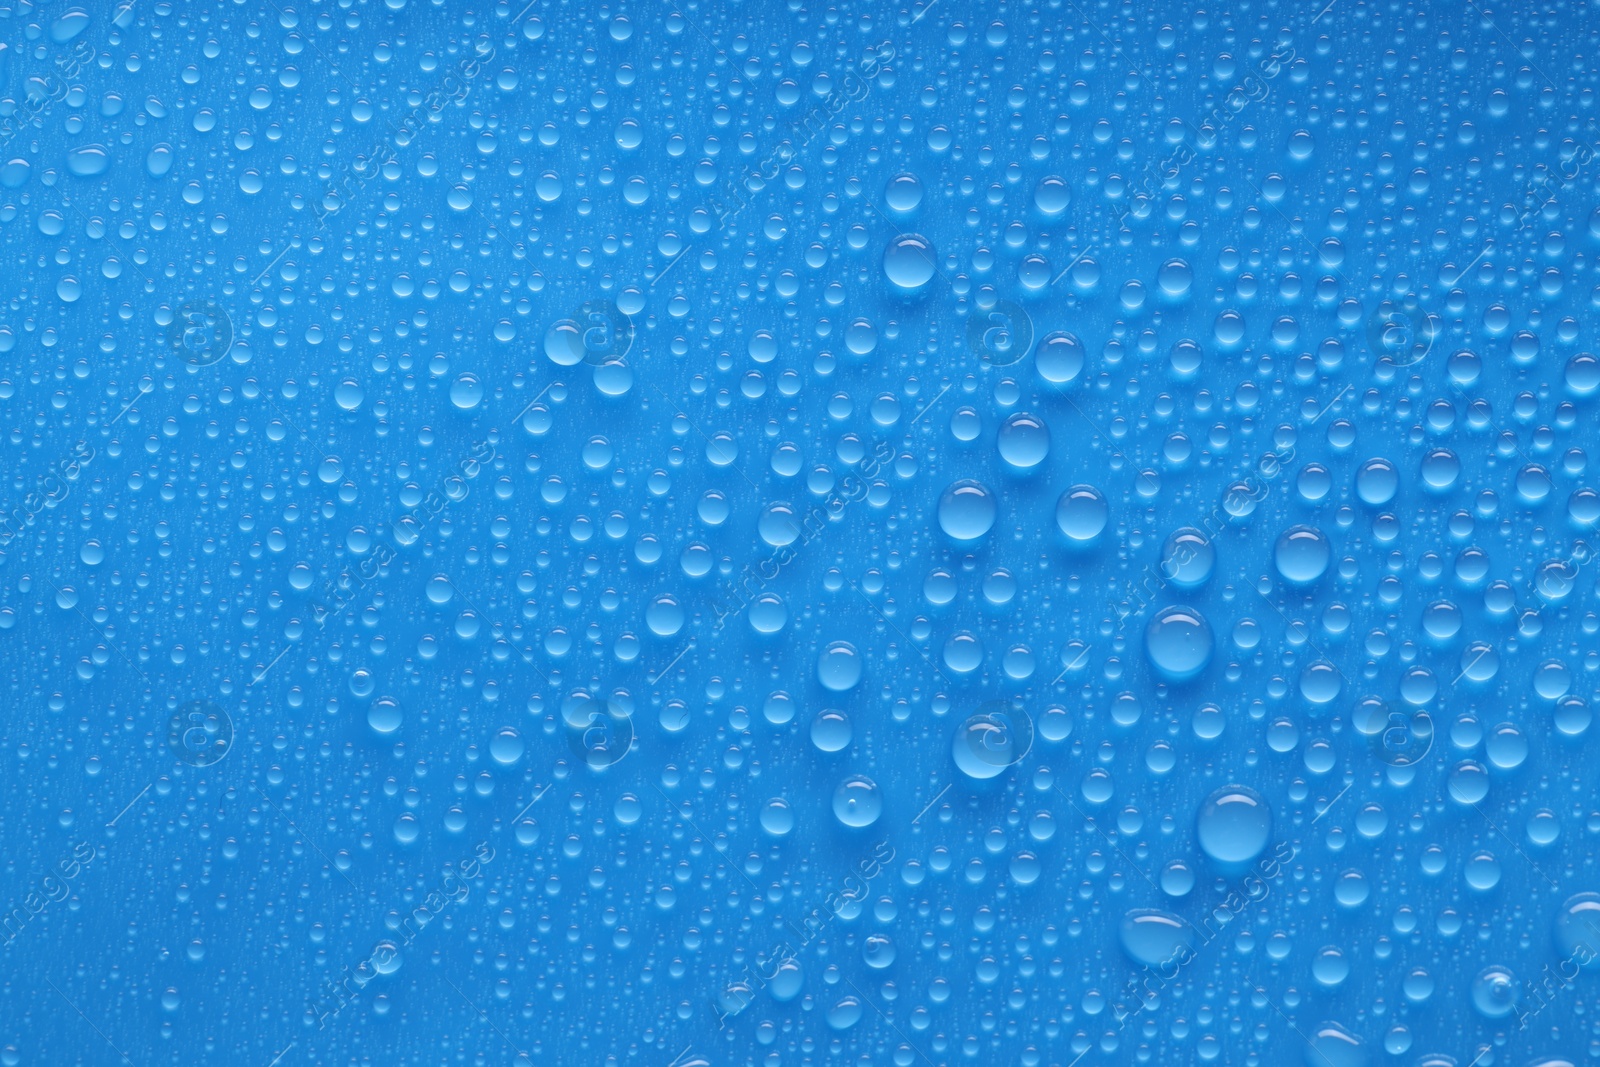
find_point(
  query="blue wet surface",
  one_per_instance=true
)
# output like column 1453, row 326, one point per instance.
column 773, row 534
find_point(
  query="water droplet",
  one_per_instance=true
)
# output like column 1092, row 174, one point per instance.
column 1052, row 195
column 839, row 667
column 1082, row 513
column 1059, row 358
column 830, row 730
column 1156, row 938
column 664, row 616
column 777, row 818
column 466, row 392
column 1179, row 643
column 909, row 261
column 991, row 742
column 89, row 160
column 967, row 510
column 507, row 746
column 1332, row 1045
column 857, row 802
column 1577, row 930
column 1495, row 993
column 1024, row 440
column 1188, row 558
column 384, row 715
column 1234, row 825
column 1302, row 554
column 903, row 193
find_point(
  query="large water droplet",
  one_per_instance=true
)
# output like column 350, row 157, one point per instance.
column 89, row 160
column 1156, row 938
column 1082, row 513
column 1302, row 554
column 839, row 667
column 1059, row 357
column 1577, row 930
column 967, row 510
column 909, row 261
column 1179, row 643
column 1024, row 440
column 1234, row 824
column 858, row 801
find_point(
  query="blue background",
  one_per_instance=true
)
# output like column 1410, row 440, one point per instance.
column 409, row 391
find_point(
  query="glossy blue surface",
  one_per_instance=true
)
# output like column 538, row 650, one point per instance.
column 776, row 534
